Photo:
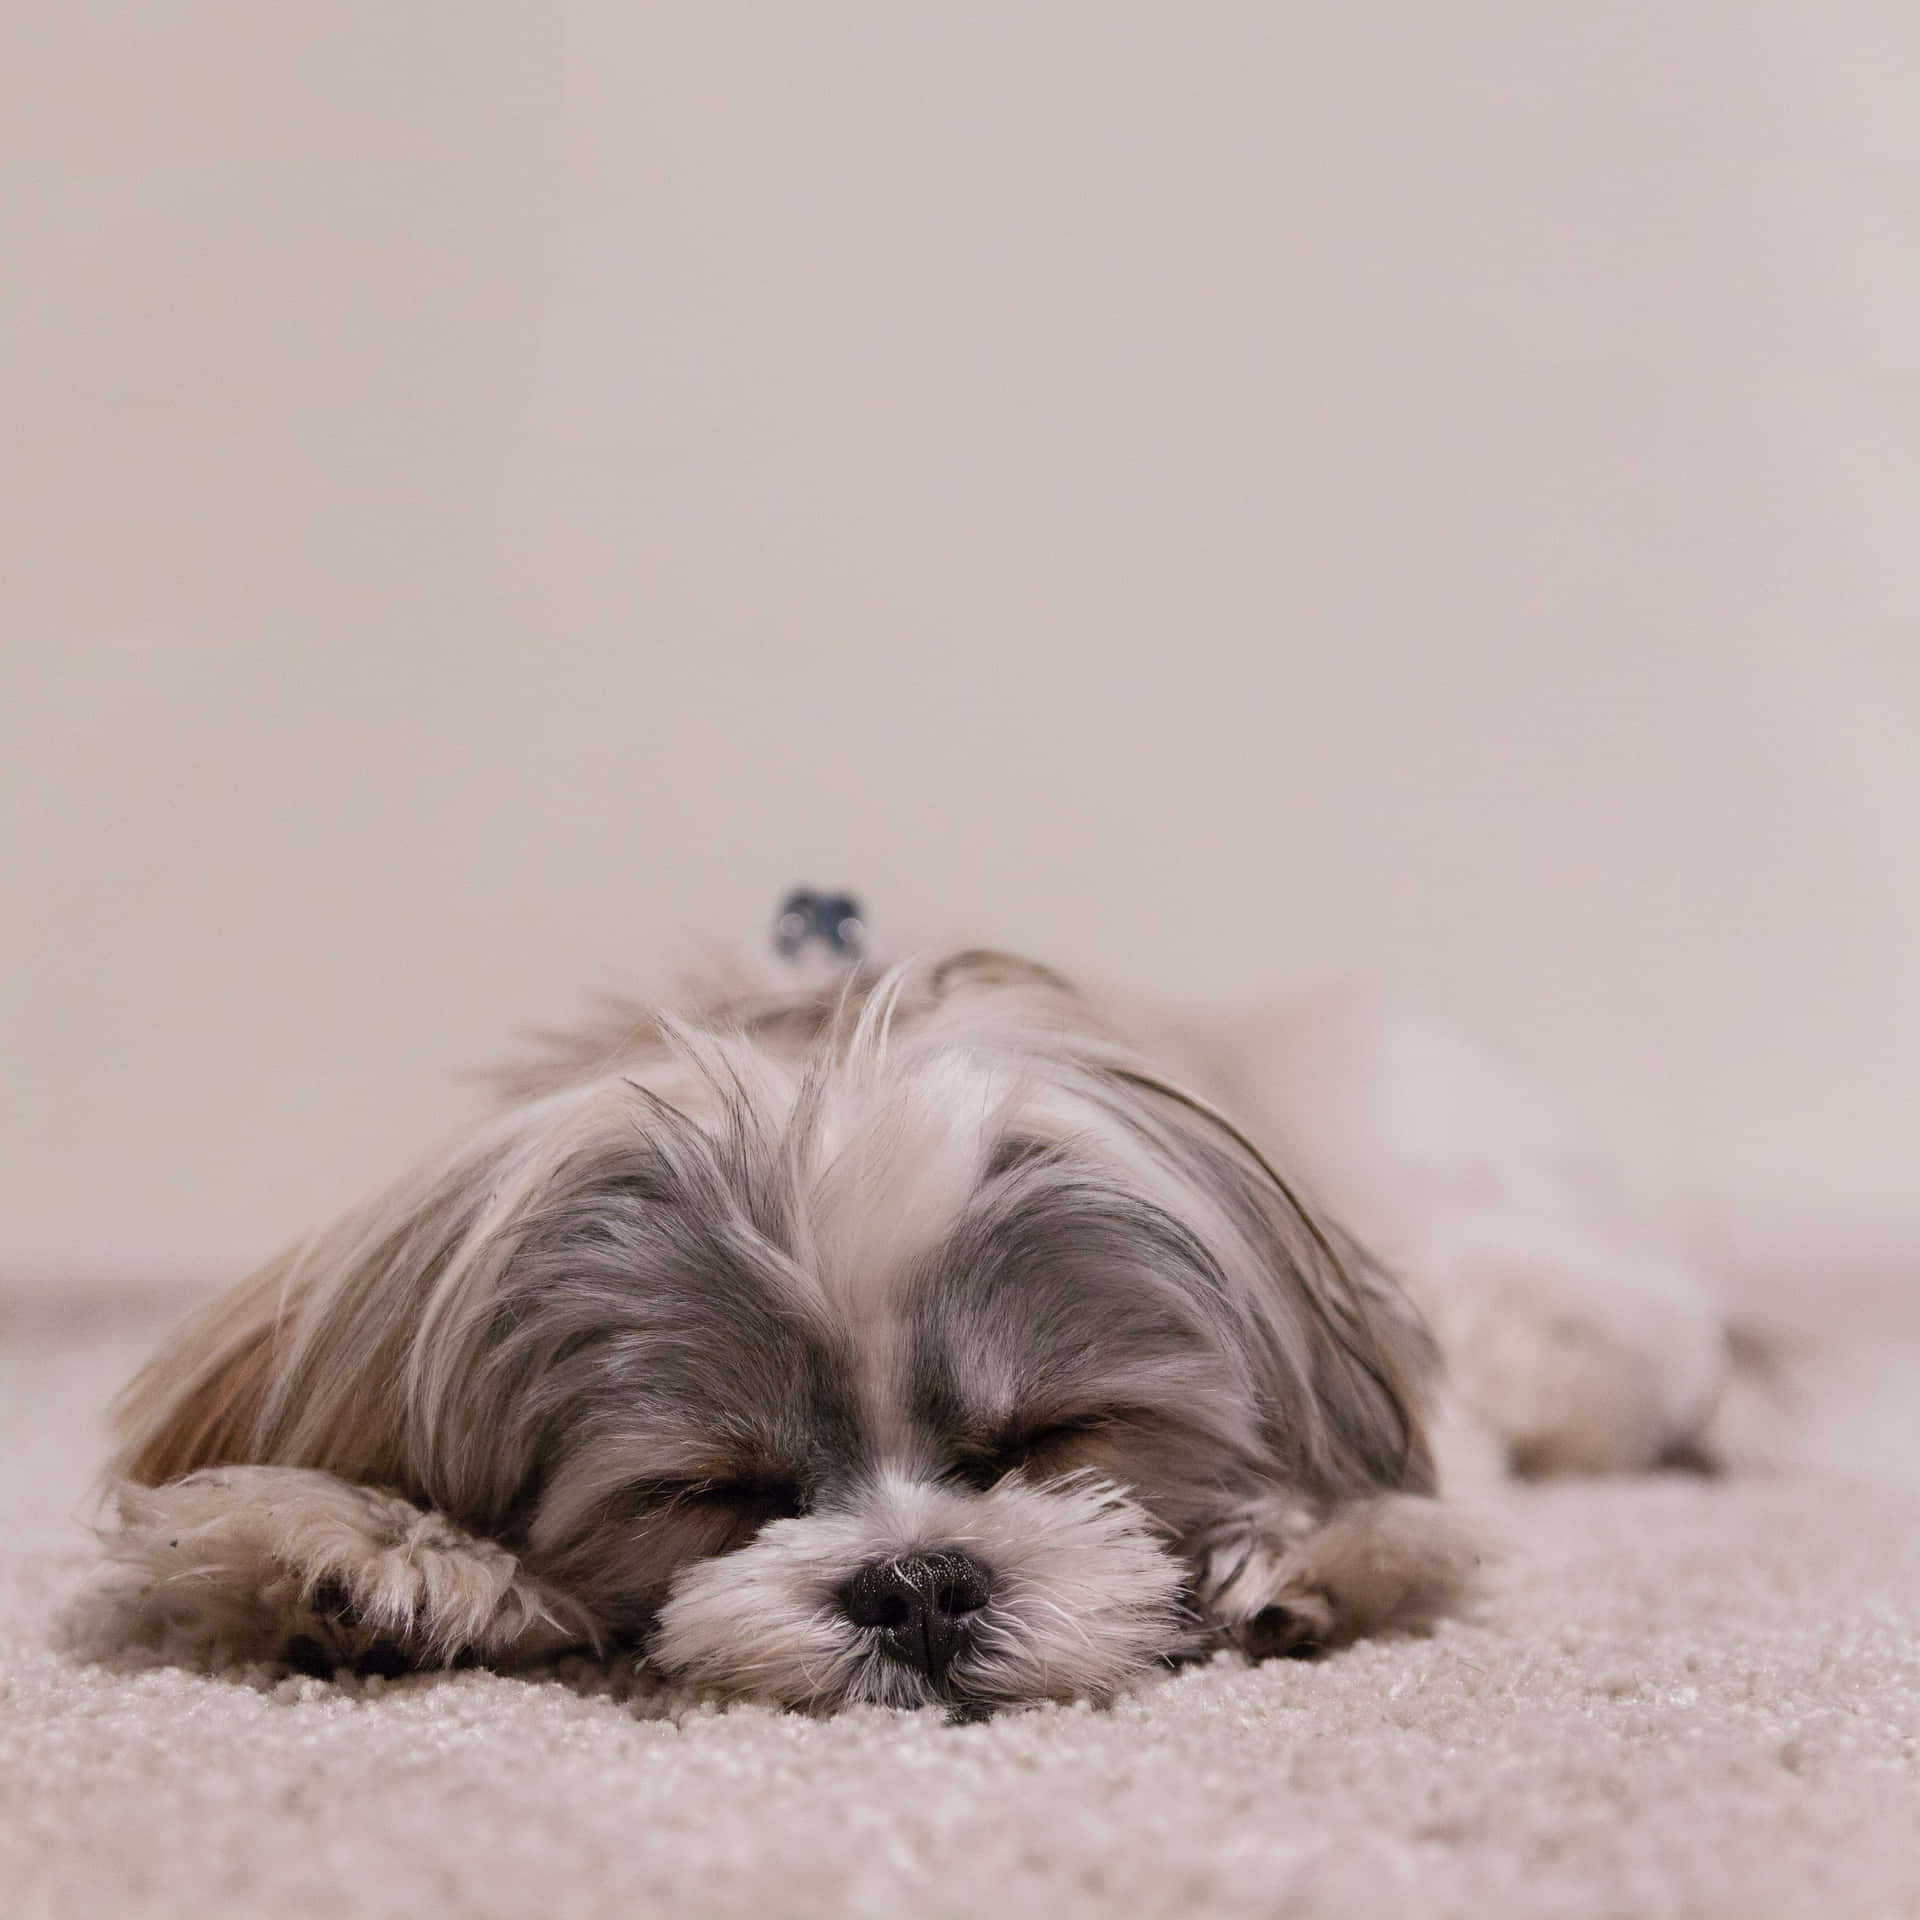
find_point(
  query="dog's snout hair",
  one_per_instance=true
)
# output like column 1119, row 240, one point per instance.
column 909, row 1340
column 1077, row 1593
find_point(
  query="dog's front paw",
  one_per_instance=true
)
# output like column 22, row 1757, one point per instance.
column 383, row 1581
column 281, row 1564
column 1279, row 1582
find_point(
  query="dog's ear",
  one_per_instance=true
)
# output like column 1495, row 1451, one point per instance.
column 382, row 1350
column 314, row 1360
column 224, row 1389
column 1343, row 1354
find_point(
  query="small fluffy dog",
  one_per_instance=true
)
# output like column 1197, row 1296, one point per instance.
column 901, row 1335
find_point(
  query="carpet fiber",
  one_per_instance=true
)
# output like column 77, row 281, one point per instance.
column 1681, row 1696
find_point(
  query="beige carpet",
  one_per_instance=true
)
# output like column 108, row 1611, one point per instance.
column 1684, row 1697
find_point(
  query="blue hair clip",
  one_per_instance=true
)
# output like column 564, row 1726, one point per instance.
column 833, row 919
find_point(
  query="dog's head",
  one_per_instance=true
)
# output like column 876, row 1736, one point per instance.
column 898, row 1345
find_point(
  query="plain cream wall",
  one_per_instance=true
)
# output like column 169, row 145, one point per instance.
column 1223, row 497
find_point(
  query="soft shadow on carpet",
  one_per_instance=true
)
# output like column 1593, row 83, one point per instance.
column 1682, row 1696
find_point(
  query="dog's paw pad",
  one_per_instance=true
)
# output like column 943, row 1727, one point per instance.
column 313, row 1656
column 383, row 1659
column 1297, row 1632
column 307, row 1655
column 1277, row 1633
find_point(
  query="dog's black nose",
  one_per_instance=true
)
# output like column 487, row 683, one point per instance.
column 922, row 1605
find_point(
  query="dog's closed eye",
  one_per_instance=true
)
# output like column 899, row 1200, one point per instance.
column 749, row 1499
column 1038, row 1451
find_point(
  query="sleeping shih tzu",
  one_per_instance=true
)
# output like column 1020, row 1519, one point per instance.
column 926, row 1334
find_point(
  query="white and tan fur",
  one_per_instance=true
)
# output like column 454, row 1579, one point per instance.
column 904, row 1337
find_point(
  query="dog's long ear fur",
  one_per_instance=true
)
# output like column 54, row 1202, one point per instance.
column 1347, row 1359
column 372, row 1351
